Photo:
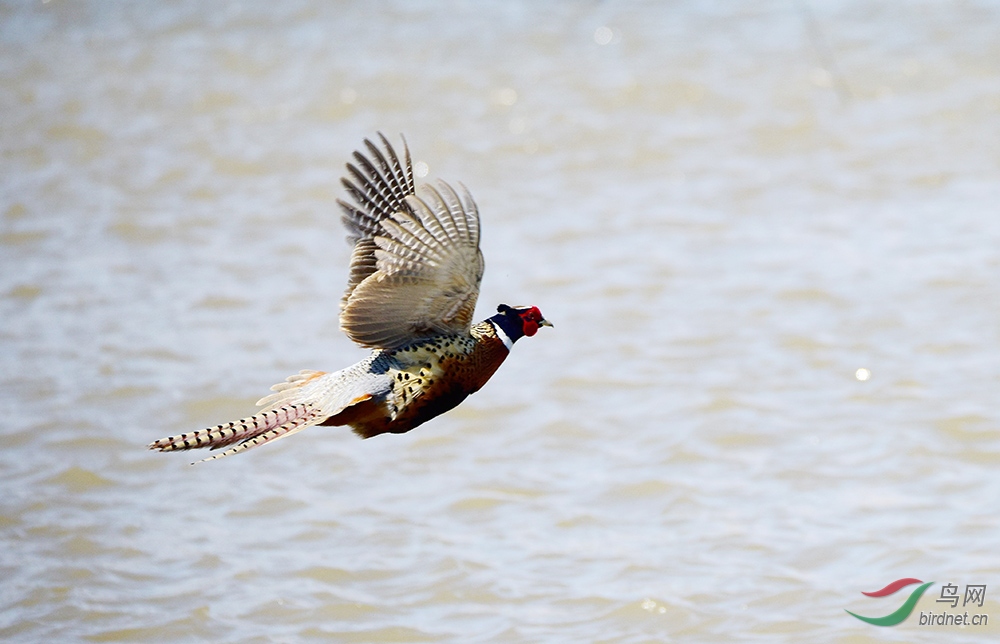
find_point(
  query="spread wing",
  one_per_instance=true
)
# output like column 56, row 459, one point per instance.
column 416, row 266
column 379, row 188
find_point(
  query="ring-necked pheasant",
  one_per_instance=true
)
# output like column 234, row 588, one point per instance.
column 411, row 295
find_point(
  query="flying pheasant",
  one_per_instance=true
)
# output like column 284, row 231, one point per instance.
column 411, row 294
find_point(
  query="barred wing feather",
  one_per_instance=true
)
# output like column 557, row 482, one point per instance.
column 427, row 271
column 379, row 185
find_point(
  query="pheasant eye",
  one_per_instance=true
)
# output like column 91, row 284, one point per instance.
column 533, row 314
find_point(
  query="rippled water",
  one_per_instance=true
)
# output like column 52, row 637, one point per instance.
column 727, row 209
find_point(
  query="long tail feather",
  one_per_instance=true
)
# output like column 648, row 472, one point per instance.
column 304, row 399
column 238, row 431
column 269, row 436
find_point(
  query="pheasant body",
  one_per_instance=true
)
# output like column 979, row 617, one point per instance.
column 425, row 379
column 413, row 284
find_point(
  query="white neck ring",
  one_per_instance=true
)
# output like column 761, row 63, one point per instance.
column 507, row 342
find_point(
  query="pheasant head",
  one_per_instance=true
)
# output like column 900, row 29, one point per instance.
column 518, row 321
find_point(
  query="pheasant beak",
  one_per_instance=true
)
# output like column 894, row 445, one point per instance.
column 545, row 322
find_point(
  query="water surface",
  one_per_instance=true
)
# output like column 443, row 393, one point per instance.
column 727, row 209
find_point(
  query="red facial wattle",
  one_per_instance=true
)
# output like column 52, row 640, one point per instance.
column 530, row 320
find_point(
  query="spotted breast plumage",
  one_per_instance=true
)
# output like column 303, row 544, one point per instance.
column 411, row 294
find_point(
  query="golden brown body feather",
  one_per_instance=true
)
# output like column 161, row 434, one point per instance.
column 433, row 377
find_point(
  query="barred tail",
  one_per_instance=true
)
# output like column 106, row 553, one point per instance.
column 245, row 433
column 304, row 399
column 271, row 435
